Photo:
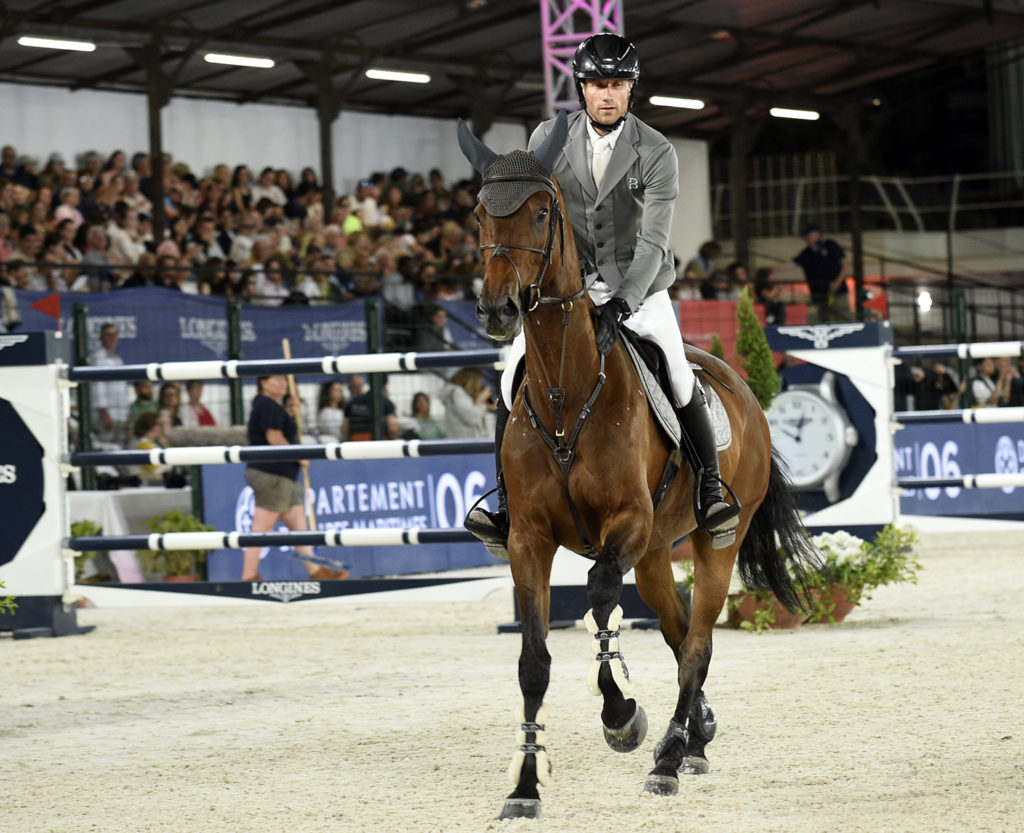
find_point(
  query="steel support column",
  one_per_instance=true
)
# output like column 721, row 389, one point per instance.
column 564, row 25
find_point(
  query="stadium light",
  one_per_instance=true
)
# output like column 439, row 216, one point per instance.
column 786, row 113
column 395, row 75
column 55, row 43
column 924, row 301
column 238, row 60
column 670, row 101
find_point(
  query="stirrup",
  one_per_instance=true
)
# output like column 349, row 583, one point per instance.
column 720, row 519
column 491, row 528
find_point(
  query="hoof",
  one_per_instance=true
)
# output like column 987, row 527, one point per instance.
column 661, row 785
column 628, row 737
column 694, row 765
column 520, row 808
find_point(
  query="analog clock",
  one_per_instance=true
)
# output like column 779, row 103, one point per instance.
column 813, row 434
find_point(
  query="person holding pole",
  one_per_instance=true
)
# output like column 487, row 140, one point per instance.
column 277, row 493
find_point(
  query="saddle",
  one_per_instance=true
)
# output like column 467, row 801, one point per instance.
column 652, row 368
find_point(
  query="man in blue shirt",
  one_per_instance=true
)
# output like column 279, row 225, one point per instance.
column 825, row 266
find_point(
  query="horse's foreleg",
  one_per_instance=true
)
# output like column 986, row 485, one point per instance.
column 625, row 722
column 530, row 765
column 693, row 724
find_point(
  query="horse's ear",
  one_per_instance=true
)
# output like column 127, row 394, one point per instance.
column 548, row 152
column 479, row 155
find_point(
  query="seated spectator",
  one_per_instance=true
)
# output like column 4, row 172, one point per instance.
column 358, row 422
column 433, row 334
column 984, row 389
column 126, row 244
column 426, row 427
column 97, row 263
column 715, row 287
column 133, row 197
column 702, row 266
column 1007, row 377
column 54, row 277
column 769, row 295
column 271, row 288
column 70, row 200
column 27, row 251
column 169, row 400
column 144, row 402
column 194, row 413
column 330, row 413
column 465, row 400
column 931, row 385
column 6, row 246
column 267, row 189
column 67, row 231
column 150, row 431
column 10, row 316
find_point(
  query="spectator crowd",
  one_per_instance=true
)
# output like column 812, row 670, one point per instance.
column 263, row 237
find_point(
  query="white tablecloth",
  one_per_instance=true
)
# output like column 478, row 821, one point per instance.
column 125, row 512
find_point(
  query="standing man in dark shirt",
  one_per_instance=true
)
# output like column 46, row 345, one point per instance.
column 825, row 267
column 357, row 424
column 276, row 491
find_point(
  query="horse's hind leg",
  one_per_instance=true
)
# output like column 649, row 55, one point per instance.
column 692, row 727
column 624, row 721
column 530, row 765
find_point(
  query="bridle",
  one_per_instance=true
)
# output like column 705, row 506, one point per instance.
column 531, row 296
column 563, row 450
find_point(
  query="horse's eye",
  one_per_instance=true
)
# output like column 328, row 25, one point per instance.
column 542, row 215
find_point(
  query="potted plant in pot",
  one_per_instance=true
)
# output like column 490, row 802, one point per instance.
column 175, row 565
column 857, row 567
column 854, row 568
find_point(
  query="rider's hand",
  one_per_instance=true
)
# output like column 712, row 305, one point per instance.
column 609, row 316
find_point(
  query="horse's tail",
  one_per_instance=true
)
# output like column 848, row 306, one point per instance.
column 777, row 553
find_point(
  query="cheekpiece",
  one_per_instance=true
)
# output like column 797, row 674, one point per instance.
column 511, row 180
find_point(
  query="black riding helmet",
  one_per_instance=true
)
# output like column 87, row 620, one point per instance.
column 605, row 55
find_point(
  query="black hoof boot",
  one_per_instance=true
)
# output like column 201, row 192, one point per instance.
column 661, row 784
column 520, row 808
column 629, row 737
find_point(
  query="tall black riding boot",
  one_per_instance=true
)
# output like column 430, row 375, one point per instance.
column 492, row 527
column 714, row 515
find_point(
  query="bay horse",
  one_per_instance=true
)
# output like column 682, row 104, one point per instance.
column 582, row 457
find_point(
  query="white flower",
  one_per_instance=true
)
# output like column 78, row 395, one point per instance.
column 839, row 547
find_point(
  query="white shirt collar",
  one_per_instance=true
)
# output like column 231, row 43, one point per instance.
column 593, row 136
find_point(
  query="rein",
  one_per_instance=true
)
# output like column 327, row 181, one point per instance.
column 563, row 450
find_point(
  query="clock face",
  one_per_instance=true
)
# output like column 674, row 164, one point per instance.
column 809, row 434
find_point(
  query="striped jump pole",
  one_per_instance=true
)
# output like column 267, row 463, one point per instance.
column 979, row 416
column 981, row 350
column 207, row 455
column 990, row 480
column 383, row 537
column 327, row 365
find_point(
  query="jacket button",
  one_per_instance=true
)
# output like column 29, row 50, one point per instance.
column 598, row 226
column 600, row 245
column 600, row 208
column 600, row 263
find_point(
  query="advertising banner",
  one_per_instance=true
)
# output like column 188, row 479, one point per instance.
column 427, row 492
column 953, row 450
column 161, row 325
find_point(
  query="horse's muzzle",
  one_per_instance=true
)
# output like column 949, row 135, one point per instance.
column 502, row 318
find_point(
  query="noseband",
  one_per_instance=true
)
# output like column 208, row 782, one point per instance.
column 531, row 296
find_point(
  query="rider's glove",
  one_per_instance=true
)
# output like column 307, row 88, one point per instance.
column 609, row 316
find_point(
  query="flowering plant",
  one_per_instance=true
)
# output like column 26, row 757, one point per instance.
column 853, row 567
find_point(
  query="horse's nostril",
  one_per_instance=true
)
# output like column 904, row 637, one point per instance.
column 481, row 310
column 511, row 308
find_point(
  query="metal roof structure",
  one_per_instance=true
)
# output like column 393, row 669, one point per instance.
column 484, row 57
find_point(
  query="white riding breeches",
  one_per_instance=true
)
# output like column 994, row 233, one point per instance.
column 655, row 320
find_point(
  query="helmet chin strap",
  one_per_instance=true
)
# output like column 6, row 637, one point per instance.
column 608, row 128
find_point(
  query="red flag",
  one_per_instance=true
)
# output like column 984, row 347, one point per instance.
column 50, row 305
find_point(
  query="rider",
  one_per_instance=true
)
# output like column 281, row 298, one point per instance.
column 620, row 181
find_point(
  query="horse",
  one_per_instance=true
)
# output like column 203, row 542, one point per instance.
column 582, row 458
